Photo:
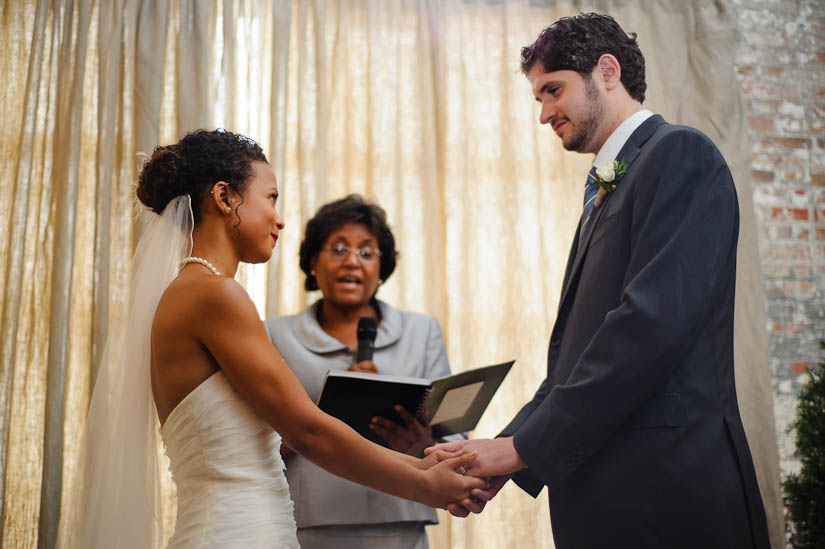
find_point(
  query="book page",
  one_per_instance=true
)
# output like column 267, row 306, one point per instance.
column 456, row 402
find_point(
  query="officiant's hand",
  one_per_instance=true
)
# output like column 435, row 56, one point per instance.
column 365, row 366
column 410, row 438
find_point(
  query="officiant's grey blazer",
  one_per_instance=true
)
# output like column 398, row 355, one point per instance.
column 636, row 429
column 407, row 344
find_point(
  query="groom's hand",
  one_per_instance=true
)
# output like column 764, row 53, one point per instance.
column 451, row 446
column 478, row 498
column 497, row 460
column 496, row 456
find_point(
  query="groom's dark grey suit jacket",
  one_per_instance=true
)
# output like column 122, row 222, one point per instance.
column 636, row 429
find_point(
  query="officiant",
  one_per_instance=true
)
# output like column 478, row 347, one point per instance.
column 348, row 251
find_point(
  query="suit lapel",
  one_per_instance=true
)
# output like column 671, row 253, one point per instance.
column 629, row 152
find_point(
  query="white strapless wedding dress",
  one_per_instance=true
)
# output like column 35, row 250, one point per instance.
column 227, row 466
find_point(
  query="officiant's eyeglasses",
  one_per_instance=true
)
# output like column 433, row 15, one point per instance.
column 365, row 255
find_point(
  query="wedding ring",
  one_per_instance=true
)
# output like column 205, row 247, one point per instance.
column 461, row 471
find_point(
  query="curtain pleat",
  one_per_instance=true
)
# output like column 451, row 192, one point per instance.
column 27, row 260
column 417, row 104
column 18, row 187
column 67, row 141
column 280, row 21
column 195, row 55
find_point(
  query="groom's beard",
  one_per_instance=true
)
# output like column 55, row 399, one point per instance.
column 585, row 128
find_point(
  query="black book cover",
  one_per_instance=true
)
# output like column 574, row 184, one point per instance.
column 356, row 397
column 454, row 403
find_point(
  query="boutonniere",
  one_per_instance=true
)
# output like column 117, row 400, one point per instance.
column 607, row 178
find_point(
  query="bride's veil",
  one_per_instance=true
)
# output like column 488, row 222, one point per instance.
column 115, row 500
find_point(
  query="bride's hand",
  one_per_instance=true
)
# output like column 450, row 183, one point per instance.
column 445, row 482
column 434, row 458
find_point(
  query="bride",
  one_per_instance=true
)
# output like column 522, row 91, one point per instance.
column 199, row 364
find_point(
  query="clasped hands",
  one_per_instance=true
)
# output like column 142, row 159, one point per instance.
column 496, row 461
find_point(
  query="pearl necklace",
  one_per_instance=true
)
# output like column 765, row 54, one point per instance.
column 202, row 261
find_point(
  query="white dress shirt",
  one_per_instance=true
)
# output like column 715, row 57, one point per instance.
column 614, row 143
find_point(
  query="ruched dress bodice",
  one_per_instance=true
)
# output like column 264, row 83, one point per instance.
column 228, row 470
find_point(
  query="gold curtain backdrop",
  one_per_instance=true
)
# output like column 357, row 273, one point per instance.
column 417, row 104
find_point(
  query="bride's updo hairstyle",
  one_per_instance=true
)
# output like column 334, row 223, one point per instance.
column 194, row 164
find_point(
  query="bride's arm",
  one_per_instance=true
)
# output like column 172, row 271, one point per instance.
column 237, row 339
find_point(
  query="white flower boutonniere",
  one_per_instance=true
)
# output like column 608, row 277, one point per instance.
column 607, row 178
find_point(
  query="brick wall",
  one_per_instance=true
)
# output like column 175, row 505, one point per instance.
column 781, row 66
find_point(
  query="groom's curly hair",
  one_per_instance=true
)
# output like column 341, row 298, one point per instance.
column 576, row 43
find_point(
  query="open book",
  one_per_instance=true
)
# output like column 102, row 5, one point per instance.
column 454, row 403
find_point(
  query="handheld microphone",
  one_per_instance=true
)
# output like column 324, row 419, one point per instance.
column 367, row 328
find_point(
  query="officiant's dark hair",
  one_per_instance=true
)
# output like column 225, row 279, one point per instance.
column 194, row 164
column 576, row 43
column 331, row 216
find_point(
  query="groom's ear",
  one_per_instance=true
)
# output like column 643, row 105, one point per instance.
column 609, row 71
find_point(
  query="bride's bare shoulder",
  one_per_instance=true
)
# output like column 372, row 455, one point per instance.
column 195, row 294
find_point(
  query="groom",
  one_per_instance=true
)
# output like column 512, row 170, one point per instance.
column 636, row 428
